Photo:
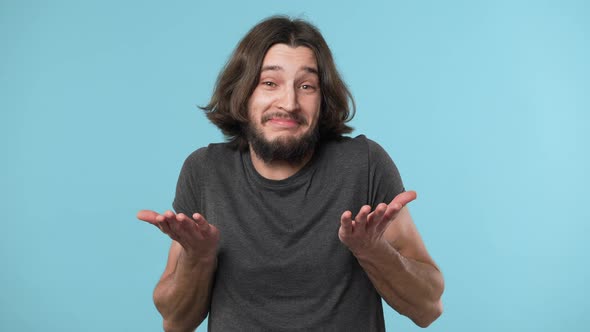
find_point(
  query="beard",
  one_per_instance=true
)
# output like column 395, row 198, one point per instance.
column 289, row 149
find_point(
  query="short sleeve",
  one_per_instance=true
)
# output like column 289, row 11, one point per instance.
column 385, row 181
column 187, row 198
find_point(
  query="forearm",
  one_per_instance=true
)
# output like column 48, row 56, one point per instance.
column 183, row 297
column 410, row 287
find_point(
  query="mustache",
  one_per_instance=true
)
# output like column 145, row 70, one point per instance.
column 282, row 115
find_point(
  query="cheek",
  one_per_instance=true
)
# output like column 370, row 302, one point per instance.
column 315, row 108
column 259, row 101
column 253, row 106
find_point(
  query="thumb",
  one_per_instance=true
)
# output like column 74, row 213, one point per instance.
column 405, row 198
column 147, row 215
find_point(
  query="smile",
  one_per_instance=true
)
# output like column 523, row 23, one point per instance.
column 284, row 123
column 287, row 120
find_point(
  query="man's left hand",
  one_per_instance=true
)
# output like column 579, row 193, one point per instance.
column 365, row 232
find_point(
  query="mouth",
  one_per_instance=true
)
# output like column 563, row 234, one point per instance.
column 284, row 122
column 284, row 119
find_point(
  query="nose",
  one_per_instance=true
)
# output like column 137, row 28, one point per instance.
column 288, row 100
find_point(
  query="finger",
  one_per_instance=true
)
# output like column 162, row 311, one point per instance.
column 388, row 216
column 157, row 220
column 398, row 203
column 175, row 225
column 346, row 222
column 169, row 225
column 360, row 221
column 405, row 198
column 185, row 220
column 376, row 216
column 182, row 228
column 361, row 217
column 147, row 215
column 392, row 210
column 165, row 228
column 202, row 224
column 188, row 226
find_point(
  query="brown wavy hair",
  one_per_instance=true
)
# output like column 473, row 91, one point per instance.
column 228, row 107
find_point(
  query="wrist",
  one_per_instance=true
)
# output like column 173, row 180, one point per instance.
column 378, row 252
column 369, row 250
column 191, row 260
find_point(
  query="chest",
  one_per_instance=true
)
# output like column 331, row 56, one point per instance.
column 286, row 234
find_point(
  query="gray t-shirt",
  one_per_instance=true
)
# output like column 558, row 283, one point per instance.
column 281, row 266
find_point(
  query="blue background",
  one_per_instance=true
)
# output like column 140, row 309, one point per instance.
column 483, row 106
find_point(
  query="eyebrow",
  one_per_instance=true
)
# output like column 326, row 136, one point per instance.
column 279, row 68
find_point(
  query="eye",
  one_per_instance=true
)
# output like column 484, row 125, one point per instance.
column 307, row 87
column 269, row 84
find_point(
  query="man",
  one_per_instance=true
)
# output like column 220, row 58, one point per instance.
column 264, row 234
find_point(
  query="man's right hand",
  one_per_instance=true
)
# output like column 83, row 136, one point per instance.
column 198, row 238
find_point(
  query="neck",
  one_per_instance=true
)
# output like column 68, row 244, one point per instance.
column 277, row 169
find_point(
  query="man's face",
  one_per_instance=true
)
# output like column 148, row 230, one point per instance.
column 284, row 108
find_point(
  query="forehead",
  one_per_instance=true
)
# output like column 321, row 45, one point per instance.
column 288, row 57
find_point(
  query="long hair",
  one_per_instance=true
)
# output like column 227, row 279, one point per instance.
column 228, row 108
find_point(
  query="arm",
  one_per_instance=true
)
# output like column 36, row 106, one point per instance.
column 390, row 250
column 182, row 295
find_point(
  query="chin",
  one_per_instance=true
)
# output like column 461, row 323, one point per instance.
column 292, row 148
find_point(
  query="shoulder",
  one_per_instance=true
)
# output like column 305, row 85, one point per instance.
column 344, row 144
column 354, row 153
column 212, row 152
column 211, row 162
column 374, row 156
column 359, row 145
